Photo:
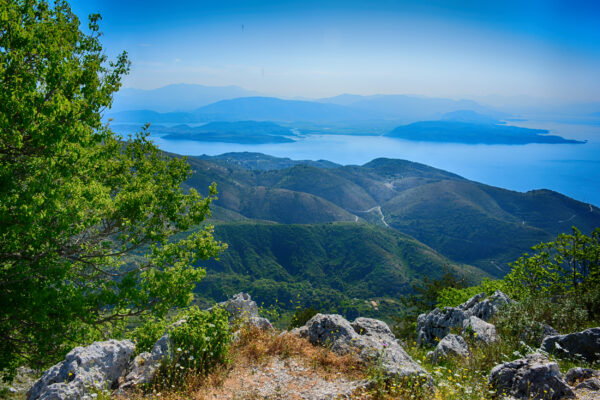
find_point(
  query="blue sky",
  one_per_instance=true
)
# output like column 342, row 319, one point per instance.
column 542, row 49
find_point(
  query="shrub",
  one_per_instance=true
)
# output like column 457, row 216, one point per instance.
column 146, row 334
column 301, row 317
column 452, row 296
column 201, row 344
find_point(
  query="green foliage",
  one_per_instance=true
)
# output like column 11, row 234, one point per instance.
column 201, row 344
column 423, row 299
column 148, row 332
column 466, row 221
column 301, row 317
column 453, row 296
column 522, row 321
column 76, row 200
column 568, row 267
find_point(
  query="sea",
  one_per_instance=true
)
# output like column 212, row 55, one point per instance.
column 571, row 169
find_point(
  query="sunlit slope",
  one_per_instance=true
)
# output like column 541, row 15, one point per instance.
column 356, row 260
column 466, row 221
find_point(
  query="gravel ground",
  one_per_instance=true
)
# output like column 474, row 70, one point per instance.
column 285, row 379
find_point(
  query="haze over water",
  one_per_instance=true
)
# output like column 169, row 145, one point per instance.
column 571, row 169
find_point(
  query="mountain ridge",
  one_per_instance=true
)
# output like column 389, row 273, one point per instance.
column 467, row 221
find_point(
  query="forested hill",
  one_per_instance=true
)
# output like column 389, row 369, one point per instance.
column 335, row 267
column 466, row 221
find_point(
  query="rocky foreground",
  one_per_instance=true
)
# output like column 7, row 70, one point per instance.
column 111, row 365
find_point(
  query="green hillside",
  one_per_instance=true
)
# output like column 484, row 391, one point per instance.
column 334, row 266
column 465, row 221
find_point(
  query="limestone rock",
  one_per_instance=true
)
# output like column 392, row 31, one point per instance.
column 590, row 384
column 578, row 374
column 437, row 324
column 301, row 331
column 530, row 377
column 370, row 339
column 469, row 304
column 487, row 308
column 241, row 307
column 141, row 370
column 373, row 327
column 261, row 323
column 96, row 366
column 450, row 345
column 584, row 345
column 480, row 330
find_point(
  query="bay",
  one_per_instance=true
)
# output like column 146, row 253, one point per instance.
column 571, row 169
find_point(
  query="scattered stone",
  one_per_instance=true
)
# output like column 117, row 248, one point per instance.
column 96, row 366
column 590, row 384
column 370, row 339
column 480, row 330
column 532, row 377
column 585, row 345
column 450, row 345
column 577, row 375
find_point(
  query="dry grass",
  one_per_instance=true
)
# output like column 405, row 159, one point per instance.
column 254, row 360
column 256, row 346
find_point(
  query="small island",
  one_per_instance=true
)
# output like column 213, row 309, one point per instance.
column 474, row 133
column 245, row 132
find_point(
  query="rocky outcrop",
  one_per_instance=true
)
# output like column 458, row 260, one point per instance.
column 370, row 339
column 579, row 345
column 532, row 377
column 480, row 330
column 241, row 307
column 486, row 309
column 97, row 366
column 450, row 346
column 433, row 326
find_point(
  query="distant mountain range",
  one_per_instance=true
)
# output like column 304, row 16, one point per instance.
column 178, row 97
column 466, row 221
column 406, row 117
column 410, row 108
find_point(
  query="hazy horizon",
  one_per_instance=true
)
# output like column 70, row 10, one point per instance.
column 549, row 51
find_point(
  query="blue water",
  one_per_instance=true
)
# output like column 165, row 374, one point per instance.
column 572, row 169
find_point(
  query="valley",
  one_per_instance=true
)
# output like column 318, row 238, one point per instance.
column 335, row 237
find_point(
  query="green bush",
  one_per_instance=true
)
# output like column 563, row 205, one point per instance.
column 203, row 341
column 567, row 267
column 521, row 321
column 301, row 317
column 199, row 345
column 452, row 296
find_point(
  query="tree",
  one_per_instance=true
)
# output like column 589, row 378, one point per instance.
column 566, row 267
column 85, row 217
